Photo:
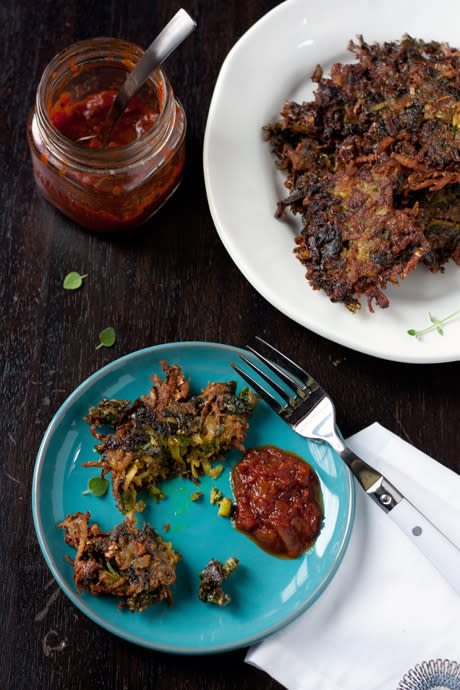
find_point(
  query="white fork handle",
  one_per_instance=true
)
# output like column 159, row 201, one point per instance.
column 442, row 553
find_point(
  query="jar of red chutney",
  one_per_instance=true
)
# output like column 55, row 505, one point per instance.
column 118, row 187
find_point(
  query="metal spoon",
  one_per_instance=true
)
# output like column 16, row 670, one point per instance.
column 175, row 31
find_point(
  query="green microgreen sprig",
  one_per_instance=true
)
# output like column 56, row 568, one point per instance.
column 436, row 325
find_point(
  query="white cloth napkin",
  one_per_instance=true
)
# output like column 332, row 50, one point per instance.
column 387, row 607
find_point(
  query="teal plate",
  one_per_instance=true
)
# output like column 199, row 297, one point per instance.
column 267, row 592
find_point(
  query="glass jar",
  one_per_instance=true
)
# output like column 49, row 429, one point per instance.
column 105, row 189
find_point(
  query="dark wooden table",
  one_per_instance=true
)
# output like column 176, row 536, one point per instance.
column 170, row 281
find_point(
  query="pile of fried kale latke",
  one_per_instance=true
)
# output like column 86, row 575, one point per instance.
column 373, row 167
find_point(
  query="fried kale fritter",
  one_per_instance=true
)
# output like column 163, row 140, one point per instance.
column 373, row 167
column 168, row 434
column 212, row 577
column 136, row 566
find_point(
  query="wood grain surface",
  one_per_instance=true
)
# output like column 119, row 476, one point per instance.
column 170, row 281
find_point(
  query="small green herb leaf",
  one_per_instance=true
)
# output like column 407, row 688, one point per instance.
column 107, row 338
column 97, row 486
column 435, row 325
column 73, row 280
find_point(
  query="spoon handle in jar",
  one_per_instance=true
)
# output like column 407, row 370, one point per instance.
column 175, row 31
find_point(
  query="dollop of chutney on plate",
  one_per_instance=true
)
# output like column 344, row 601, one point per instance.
column 278, row 501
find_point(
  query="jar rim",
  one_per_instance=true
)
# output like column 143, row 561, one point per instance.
column 103, row 48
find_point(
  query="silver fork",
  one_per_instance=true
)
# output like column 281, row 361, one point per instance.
column 310, row 412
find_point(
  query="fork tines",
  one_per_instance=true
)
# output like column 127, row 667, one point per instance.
column 291, row 374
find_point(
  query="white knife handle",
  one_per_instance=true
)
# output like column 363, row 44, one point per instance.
column 442, row 553
column 434, row 545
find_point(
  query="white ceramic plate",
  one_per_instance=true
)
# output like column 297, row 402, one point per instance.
column 271, row 63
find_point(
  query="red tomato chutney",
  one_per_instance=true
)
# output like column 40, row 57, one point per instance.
column 278, row 501
column 121, row 186
column 83, row 119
